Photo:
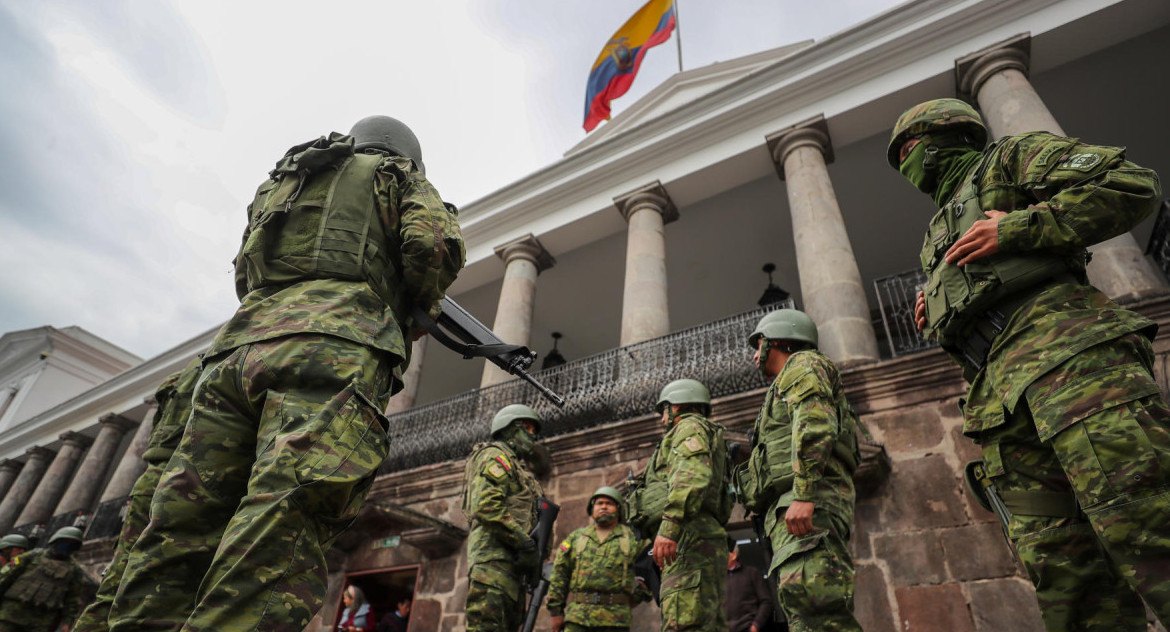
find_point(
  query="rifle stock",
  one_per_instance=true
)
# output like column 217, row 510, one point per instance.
column 538, row 582
column 475, row 340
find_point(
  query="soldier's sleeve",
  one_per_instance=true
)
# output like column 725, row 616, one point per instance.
column 807, row 391
column 489, row 498
column 1085, row 194
column 432, row 243
column 558, row 587
column 11, row 571
column 690, row 474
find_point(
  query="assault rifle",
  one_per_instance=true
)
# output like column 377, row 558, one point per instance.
column 475, row 340
column 538, row 582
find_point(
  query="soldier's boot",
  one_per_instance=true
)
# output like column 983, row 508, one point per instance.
column 1076, row 587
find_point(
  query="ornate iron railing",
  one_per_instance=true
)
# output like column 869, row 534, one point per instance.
column 68, row 519
column 1159, row 245
column 616, row 384
column 896, row 295
column 34, row 531
column 106, row 522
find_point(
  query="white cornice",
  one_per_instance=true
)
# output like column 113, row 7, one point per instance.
column 119, row 395
column 891, row 52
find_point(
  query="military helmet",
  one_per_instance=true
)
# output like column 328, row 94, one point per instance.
column 387, row 134
column 67, row 533
column 934, row 116
column 14, row 540
column 784, row 324
column 512, row 413
column 609, row 492
column 684, row 391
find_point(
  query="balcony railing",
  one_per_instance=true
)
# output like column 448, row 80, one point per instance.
column 107, row 519
column 616, row 384
column 1159, row 244
column 896, row 295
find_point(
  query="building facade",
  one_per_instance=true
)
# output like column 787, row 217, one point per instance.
column 643, row 246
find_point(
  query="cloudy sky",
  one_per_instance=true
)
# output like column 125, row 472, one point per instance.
column 133, row 132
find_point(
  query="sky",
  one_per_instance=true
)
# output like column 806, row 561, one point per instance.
column 133, row 133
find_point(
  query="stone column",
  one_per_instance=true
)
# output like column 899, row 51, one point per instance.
column 404, row 399
column 524, row 259
column 645, row 309
column 16, row 499
column 132, row 466
column 9, row 470
column 830, row 282
column 997, row 77
column 48, row 494
column 80, row 494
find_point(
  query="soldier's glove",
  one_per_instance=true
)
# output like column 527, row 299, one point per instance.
column 527, row 557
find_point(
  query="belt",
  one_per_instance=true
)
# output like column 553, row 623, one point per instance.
column 987, row 326
column 599, row 599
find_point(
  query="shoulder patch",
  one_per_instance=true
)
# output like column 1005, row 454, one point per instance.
column 565, row 546
column 1081, row 161
column 692, row 445
column 503, row 460
column 496, row 471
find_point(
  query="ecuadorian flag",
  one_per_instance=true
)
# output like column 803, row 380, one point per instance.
column 614, row 70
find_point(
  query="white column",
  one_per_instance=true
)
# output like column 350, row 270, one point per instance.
column 645, row 310
column 524, row 259
column 830, row 281
column 52, row 486
column 404, row 400
column 84, row 487
column 132, row 466
column 997, row 78
column 35, row 463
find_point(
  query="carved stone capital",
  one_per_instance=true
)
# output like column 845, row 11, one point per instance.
column 116, row 422
column 971, row 71
column 527, row 247
column 75, row 439
column 38, row 453
column 652, row 196
column 813, row 132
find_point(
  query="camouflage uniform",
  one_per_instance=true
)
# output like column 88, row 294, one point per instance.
column 806, row 450
column 174, row 406
column 1074, row 430
column 40, row 593
column 500, row 502
column 692, row 588
column 286, row 431
column 592, row 582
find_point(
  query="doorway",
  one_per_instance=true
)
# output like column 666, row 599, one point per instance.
column 384, row 589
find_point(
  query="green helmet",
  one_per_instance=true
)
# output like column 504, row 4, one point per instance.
column 67, row 533
column 784, row 324
column 685, row 391
column 513, row 413
column 387, row 134
column 609, row 492
column 934, row 116
column 14, row 540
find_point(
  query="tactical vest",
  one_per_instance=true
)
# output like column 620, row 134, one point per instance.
column 959, row 297
column 44, row 583
column 625, row 544
column 316, row 218
column 521, row 504
column 648, row 495
column 767, row 474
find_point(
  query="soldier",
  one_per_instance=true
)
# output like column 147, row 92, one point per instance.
column 44, row 588
column 286, row 431
column 593, row 585
column 12, row 545
column 800, row 473
column 500, row 502
column 173, row 398
column 685, row 501
column 1074, row 430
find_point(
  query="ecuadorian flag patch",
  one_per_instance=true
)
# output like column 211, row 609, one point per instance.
column 504, row 461
column 565, row 545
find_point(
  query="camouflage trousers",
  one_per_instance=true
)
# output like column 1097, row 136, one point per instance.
column 577, row 627
column 1113, row 456
column 284, row 439
column 495, row 601
column 814, row 574
column 96, row 615
column 693, row 587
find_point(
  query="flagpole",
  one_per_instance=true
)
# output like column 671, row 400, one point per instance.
column 678, row 35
